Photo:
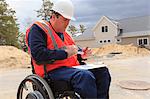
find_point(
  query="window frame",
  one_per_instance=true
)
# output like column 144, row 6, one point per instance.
column 104, row 28
column 142, row 41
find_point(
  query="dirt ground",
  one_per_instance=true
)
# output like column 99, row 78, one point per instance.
column 134, row 68
column 131, row 63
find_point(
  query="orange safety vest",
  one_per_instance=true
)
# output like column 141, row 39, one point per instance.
column 53, row 42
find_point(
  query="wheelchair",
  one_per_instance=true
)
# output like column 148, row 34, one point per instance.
column 36, row 87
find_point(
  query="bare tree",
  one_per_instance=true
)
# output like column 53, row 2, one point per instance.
column 82, row 28
column 22, row 42
column 72, row 29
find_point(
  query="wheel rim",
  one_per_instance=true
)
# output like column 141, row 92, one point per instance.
column 34, row 95
column 38, row 84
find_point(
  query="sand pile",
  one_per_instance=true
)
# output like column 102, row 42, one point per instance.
column 124, row 50
column 13, row 57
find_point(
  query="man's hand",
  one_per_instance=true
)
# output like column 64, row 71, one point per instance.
column 71, row 50
column 87, row 52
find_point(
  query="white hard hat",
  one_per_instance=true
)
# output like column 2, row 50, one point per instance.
column 65, row 8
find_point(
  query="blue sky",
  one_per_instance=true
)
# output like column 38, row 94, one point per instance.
column 87, row 12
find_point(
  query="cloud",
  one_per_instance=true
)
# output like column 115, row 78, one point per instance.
column 87, row 12
column 92, row 10
column 25, row 9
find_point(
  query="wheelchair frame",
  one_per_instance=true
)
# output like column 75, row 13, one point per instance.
column 37, row 81
column 42, row 88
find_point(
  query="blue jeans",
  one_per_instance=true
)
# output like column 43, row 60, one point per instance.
column 88, row 83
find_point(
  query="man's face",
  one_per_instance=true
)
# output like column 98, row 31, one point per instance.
column 61, row 23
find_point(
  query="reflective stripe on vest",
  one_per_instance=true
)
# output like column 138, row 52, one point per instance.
column 45, row 27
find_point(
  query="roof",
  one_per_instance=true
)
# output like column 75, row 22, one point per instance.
column 135, row 34
column 133, row 24
column 87, row 35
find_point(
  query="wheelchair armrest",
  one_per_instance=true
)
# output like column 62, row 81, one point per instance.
column 45, row 62
column 84, row 59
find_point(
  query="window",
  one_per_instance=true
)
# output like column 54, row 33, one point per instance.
column 118, row 40
column 142, row 41
column 145, row 41
column 121, row 30
column 108, row 40
column 104, row 28
column 105, row 41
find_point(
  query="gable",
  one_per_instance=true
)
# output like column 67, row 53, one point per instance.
column 103, row 20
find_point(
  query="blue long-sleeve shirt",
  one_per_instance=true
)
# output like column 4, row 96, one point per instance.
column 37, row 41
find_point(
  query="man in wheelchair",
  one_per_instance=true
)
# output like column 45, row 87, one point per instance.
column 54, row 55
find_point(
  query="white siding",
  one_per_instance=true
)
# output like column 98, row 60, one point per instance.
column 102, row 36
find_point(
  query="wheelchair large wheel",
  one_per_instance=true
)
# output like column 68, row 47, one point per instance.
column 34, row 87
